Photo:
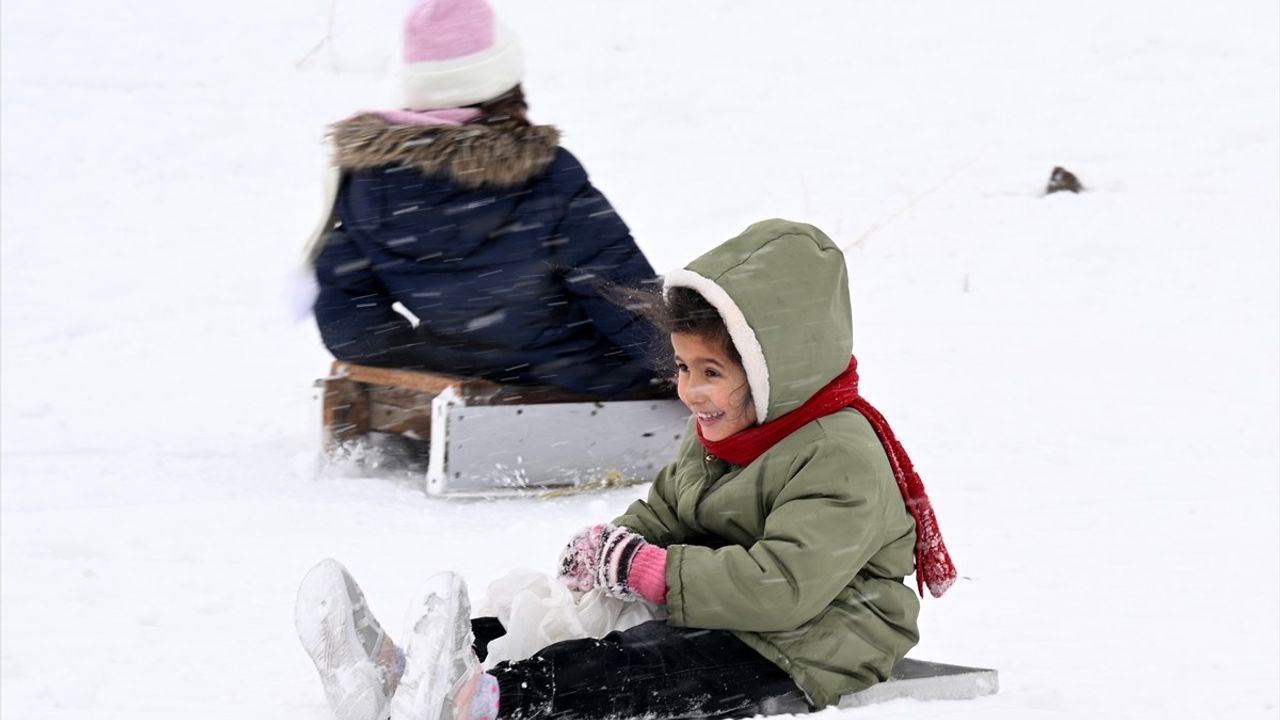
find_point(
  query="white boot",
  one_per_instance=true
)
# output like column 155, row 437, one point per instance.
column 356, row 660
column 441, row 670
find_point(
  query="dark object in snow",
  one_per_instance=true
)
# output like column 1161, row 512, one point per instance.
column 1063, row 179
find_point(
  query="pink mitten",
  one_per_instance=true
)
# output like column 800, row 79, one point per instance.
column 578, row 559
column 629, row 568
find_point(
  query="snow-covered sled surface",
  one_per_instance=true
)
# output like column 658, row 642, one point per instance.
column 1086, row 382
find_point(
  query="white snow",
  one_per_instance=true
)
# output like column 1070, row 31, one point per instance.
column 1087, row 382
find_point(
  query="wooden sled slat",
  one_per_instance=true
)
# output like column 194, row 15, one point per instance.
column 432, row 383
column 398, row 411
column 473, row 390
column 346, row 412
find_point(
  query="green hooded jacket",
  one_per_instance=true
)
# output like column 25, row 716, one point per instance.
column 802, row 553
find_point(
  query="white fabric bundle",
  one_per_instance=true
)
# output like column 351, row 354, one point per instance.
column 537, row 610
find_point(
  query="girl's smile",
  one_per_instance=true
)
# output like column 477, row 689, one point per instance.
column 712, row 385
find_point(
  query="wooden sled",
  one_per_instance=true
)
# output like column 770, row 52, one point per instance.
column 490, row 439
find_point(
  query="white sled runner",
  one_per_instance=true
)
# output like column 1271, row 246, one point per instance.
column 489, row 439
column 923, row 680
column 911, row 679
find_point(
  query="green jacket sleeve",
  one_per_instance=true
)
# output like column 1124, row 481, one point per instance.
column 655, row 517
column 821, row 529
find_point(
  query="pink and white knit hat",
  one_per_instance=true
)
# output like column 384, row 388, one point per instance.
column 457, row 53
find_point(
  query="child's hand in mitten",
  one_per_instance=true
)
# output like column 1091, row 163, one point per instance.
column 629, row 568
column 578, row 559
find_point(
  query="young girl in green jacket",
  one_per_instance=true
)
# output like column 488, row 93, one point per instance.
column 778, row 540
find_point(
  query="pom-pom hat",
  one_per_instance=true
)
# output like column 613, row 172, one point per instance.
column 457, row 53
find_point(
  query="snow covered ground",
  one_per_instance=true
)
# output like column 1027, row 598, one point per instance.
column 1087, row 382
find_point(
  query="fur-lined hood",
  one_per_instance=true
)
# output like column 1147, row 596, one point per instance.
column 782, row 289
column 471, row 155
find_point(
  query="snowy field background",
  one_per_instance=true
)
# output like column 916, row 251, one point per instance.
column 1087, row 383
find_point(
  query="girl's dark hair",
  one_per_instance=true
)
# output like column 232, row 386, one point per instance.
column 687, row 311
column 509, row 108
column 680, row 310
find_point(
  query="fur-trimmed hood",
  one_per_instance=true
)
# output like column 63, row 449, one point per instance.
column 472, row 155
column 782, row 289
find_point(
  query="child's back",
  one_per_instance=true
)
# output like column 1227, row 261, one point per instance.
column 479, row 224
column 495, row 239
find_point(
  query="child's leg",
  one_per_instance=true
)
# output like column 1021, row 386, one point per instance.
column 652, row 670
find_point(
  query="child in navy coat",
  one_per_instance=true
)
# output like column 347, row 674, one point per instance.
column 478, row 224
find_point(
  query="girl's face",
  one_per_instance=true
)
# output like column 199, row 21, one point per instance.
column 713, row 386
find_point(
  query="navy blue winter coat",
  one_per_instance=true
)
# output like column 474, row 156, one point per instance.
column 496, row 241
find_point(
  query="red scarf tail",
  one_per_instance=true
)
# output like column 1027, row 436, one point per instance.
column 933, row 563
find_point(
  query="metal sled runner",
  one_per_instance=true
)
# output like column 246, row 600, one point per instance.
column 911, row 679
column 923, row 680
column 491, row 439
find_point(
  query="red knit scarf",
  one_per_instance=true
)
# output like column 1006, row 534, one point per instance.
column 933, row 563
